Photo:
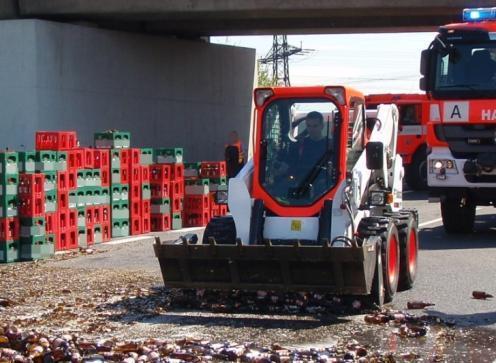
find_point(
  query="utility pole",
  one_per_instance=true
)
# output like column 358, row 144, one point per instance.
column 278, row 56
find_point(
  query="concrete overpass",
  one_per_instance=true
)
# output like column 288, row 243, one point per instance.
column 193, row 18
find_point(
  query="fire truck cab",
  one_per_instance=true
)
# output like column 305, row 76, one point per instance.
column 459, row 76
column 412, row 135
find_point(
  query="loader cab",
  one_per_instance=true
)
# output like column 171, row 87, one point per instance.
column 304, row 136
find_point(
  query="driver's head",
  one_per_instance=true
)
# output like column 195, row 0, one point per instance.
column 315, row 124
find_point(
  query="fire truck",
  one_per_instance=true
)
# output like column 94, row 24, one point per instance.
column 459, row 77
column 412, row 135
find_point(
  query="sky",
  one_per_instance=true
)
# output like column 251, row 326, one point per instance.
column 371, row 63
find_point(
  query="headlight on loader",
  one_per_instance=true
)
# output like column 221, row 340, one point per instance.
column 377, row 198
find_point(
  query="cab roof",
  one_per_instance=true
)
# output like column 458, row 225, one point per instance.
column 314, row 91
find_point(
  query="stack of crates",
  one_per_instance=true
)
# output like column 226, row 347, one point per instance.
column 9, row 221
column 34, row 243
column 120, row 164
column 167, row 189
column 203, row 180
column 55, row 161
column 139, row 199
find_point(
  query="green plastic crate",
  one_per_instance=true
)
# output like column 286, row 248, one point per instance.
column 192, row 170
column 146, row 157
column 168, row 155
column 45, row 161
column 61, row 161
column 9, row 251
column 35, row 248
column 197, row 187
column 146, row 192
column 120, row 227
column 8, row 205
column 120, row 192
column 120, row 210
column 51, row 201
column 97, row 233
column 50, row 180
column 82, row 237
column 80, row 197
column 160, row 206
column 27, row 161
column 9, row 184
column 115, row 176
column 217, row 184
column 33, row 226
column 9, row 161
column 115, row 158
column 177, row 222
column 105, row 195
column 113, row 139
column 81, row 221
column 81, row 178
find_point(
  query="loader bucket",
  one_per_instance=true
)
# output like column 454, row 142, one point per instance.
column 338, row 270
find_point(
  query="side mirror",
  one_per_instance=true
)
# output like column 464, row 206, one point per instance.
column 424, row 61
column 374, row 155
column 423, row 84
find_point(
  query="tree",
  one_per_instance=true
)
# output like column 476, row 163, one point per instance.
column 264, row 79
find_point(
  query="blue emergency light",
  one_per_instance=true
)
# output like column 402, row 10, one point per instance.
column 479, row 14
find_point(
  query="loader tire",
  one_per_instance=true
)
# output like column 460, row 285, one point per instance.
column 407, row 224
column 385, row 227
column 222, row 229
column 376, row 297
column 458, row 215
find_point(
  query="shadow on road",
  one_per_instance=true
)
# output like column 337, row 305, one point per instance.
column 476, row 319
column 484, row 236
column 415, row 195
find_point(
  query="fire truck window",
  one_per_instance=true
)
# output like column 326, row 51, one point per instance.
column 408, row 115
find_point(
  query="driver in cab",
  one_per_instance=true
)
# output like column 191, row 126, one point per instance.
column 307, row 151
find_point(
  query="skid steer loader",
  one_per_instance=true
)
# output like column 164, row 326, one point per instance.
column 318, row 208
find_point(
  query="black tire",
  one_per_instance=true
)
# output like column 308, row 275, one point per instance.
column 407, row 224
column 458, row 214
column 222, row 229
column 416, row 172
column 376, row 297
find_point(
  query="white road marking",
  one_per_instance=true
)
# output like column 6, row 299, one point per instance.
column 432, row 221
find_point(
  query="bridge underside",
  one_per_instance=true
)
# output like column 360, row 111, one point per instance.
column 189, row 18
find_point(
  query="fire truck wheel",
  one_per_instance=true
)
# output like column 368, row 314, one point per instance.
column 458, row 215
column 222, row 229
column 391, row 259
column 416, row 172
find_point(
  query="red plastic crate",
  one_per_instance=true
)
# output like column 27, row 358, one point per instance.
column 90, row 235
column 72, row 179
column 134, row 157
column 9, row 229
column 90, row 216
column 215, row 210
column 145, row 174
column 145, row 224
column 31, row 206
column 56, row 140
column 105, row 214
column 97, row 214
column 124, row 175
column 88, row 161
column 196, row 202
column 135, row 211
column 67, row 240
column 31, row 185
column 177, row 171
column 196, row 219
column 213, row 169
column 145, row 208
column 75, row 159
column 135, row 174
column 51, row 223
column 223, row 210
column 160, row 222
column 101, row 158
column 105, row 177
column 62, row 200
column 177, row 204
column 62, row 181
column 135, row 225
column 135, row 192
column 124, row 156
column 177, row 188
column 106, row 232
column 160, row 173
column 160, row 190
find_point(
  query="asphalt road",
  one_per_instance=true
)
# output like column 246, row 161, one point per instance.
column 450, row 266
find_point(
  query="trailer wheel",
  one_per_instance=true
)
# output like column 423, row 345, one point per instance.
column 458, row 215
column 222, row 229
column 391, row 258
